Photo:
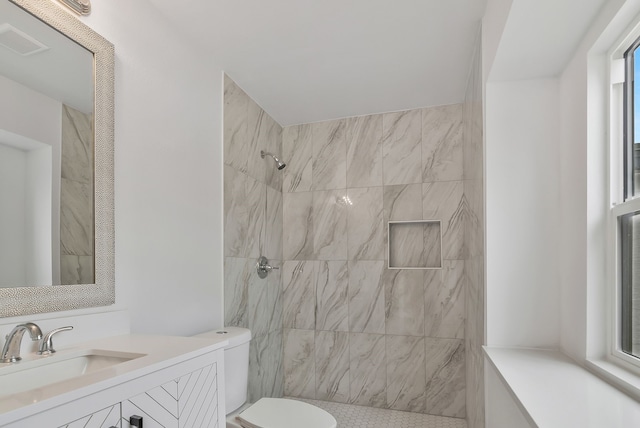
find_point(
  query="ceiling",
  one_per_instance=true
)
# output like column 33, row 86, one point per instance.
column 310, row 60
column 541, row 36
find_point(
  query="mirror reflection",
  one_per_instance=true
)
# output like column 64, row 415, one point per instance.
column 46, row 154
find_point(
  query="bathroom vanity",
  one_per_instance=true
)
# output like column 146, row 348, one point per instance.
column 166, row 381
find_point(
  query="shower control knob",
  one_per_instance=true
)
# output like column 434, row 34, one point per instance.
column 263, row 267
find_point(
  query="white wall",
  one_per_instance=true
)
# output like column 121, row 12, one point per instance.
column 168, row 172
column 168, row 181
column 31, row 122
column 26, row 251
column 522, row 198
column 30, row 113
column 13, row 164
column 42, row 221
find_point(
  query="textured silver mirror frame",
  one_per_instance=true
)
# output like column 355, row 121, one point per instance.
column 38, row 299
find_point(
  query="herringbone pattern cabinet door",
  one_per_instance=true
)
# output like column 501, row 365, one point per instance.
column 106, row 418
column 187, row 402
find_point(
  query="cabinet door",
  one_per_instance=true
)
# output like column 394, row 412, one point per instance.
column 186, row 402
column 105, row 418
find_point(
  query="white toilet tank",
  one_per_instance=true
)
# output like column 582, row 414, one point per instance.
column 236, row 364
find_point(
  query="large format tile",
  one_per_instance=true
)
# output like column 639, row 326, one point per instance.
column 368, row 370
column 366, row 297
column 474, row 234
column 404, row 290
column 364, row 151
column 265, row 135
column 406, row 379
column 330, row 225
column 403, row 202
column 406, row 245
column 474, row 300
column 236, row 143
column 401, row 147
column 257, row 134
column 299, row 363
column 442, row 143
column 265, row 366
column 299, row 294
column 265, row 304
column 332, row 290
column 239, row 277
column 297, row 153
column 445, row 301
column 365, row 230
column 271, row 237
column 243, row 214
column 297, row 220
column 444, row 201
column 445, row 370
column 332, row 366
column 76, row 269
column 474, row 237
column 274, row 176
column 329, row 155
column 77, row 145
column 76, row 218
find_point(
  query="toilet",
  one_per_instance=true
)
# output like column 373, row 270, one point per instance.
column 266, row 412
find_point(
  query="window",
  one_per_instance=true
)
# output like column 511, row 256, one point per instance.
column 627, row 212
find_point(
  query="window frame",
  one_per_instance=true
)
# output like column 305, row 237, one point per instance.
column 621, row 185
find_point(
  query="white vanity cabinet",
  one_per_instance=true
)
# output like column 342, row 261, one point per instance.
column 179, row 393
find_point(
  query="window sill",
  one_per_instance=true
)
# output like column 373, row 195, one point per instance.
column 618, row 376
column 554, row 391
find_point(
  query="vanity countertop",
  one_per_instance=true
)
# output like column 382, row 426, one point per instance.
column 158, row 352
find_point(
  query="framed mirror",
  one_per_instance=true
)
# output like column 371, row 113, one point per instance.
column 67, row 234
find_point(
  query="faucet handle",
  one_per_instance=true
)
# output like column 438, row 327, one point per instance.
column 46, row 344
column 263, row 267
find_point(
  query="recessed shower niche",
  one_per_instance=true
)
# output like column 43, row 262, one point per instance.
column 414, row 244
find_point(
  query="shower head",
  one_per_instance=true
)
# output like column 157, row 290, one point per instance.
column 279, row 163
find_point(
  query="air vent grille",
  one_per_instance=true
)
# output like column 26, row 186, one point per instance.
column 19, row 42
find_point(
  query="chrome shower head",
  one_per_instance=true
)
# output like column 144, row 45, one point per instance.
column 279, row 163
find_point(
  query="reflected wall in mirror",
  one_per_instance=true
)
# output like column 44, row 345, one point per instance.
column 46, row 154
column 56, row 161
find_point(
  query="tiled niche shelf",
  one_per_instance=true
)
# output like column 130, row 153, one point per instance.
column 414, row 244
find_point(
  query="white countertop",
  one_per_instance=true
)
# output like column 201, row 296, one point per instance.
column 557, row 392
column 158, row 352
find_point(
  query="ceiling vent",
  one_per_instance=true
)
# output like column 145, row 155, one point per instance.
column 19, row 42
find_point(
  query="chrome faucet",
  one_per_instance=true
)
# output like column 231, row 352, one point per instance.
column 11, row 350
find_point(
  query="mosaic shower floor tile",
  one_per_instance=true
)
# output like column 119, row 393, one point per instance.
column 351, row 416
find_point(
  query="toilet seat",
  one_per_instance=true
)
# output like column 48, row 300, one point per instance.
column 285, row 413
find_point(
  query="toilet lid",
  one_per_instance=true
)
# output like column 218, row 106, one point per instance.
column 284, row 413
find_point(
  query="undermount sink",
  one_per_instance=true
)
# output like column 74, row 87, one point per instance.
column 28, row 375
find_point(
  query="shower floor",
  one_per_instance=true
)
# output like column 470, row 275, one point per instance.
column 351, row 416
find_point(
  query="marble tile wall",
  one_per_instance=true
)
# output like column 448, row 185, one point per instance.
column 473, row 156
column 76, row 198
column 355, row 331
column 252, row 227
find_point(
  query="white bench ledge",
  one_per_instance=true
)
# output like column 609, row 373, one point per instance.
column 554, row 391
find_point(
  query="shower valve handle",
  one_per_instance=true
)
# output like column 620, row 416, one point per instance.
column 263, row 267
